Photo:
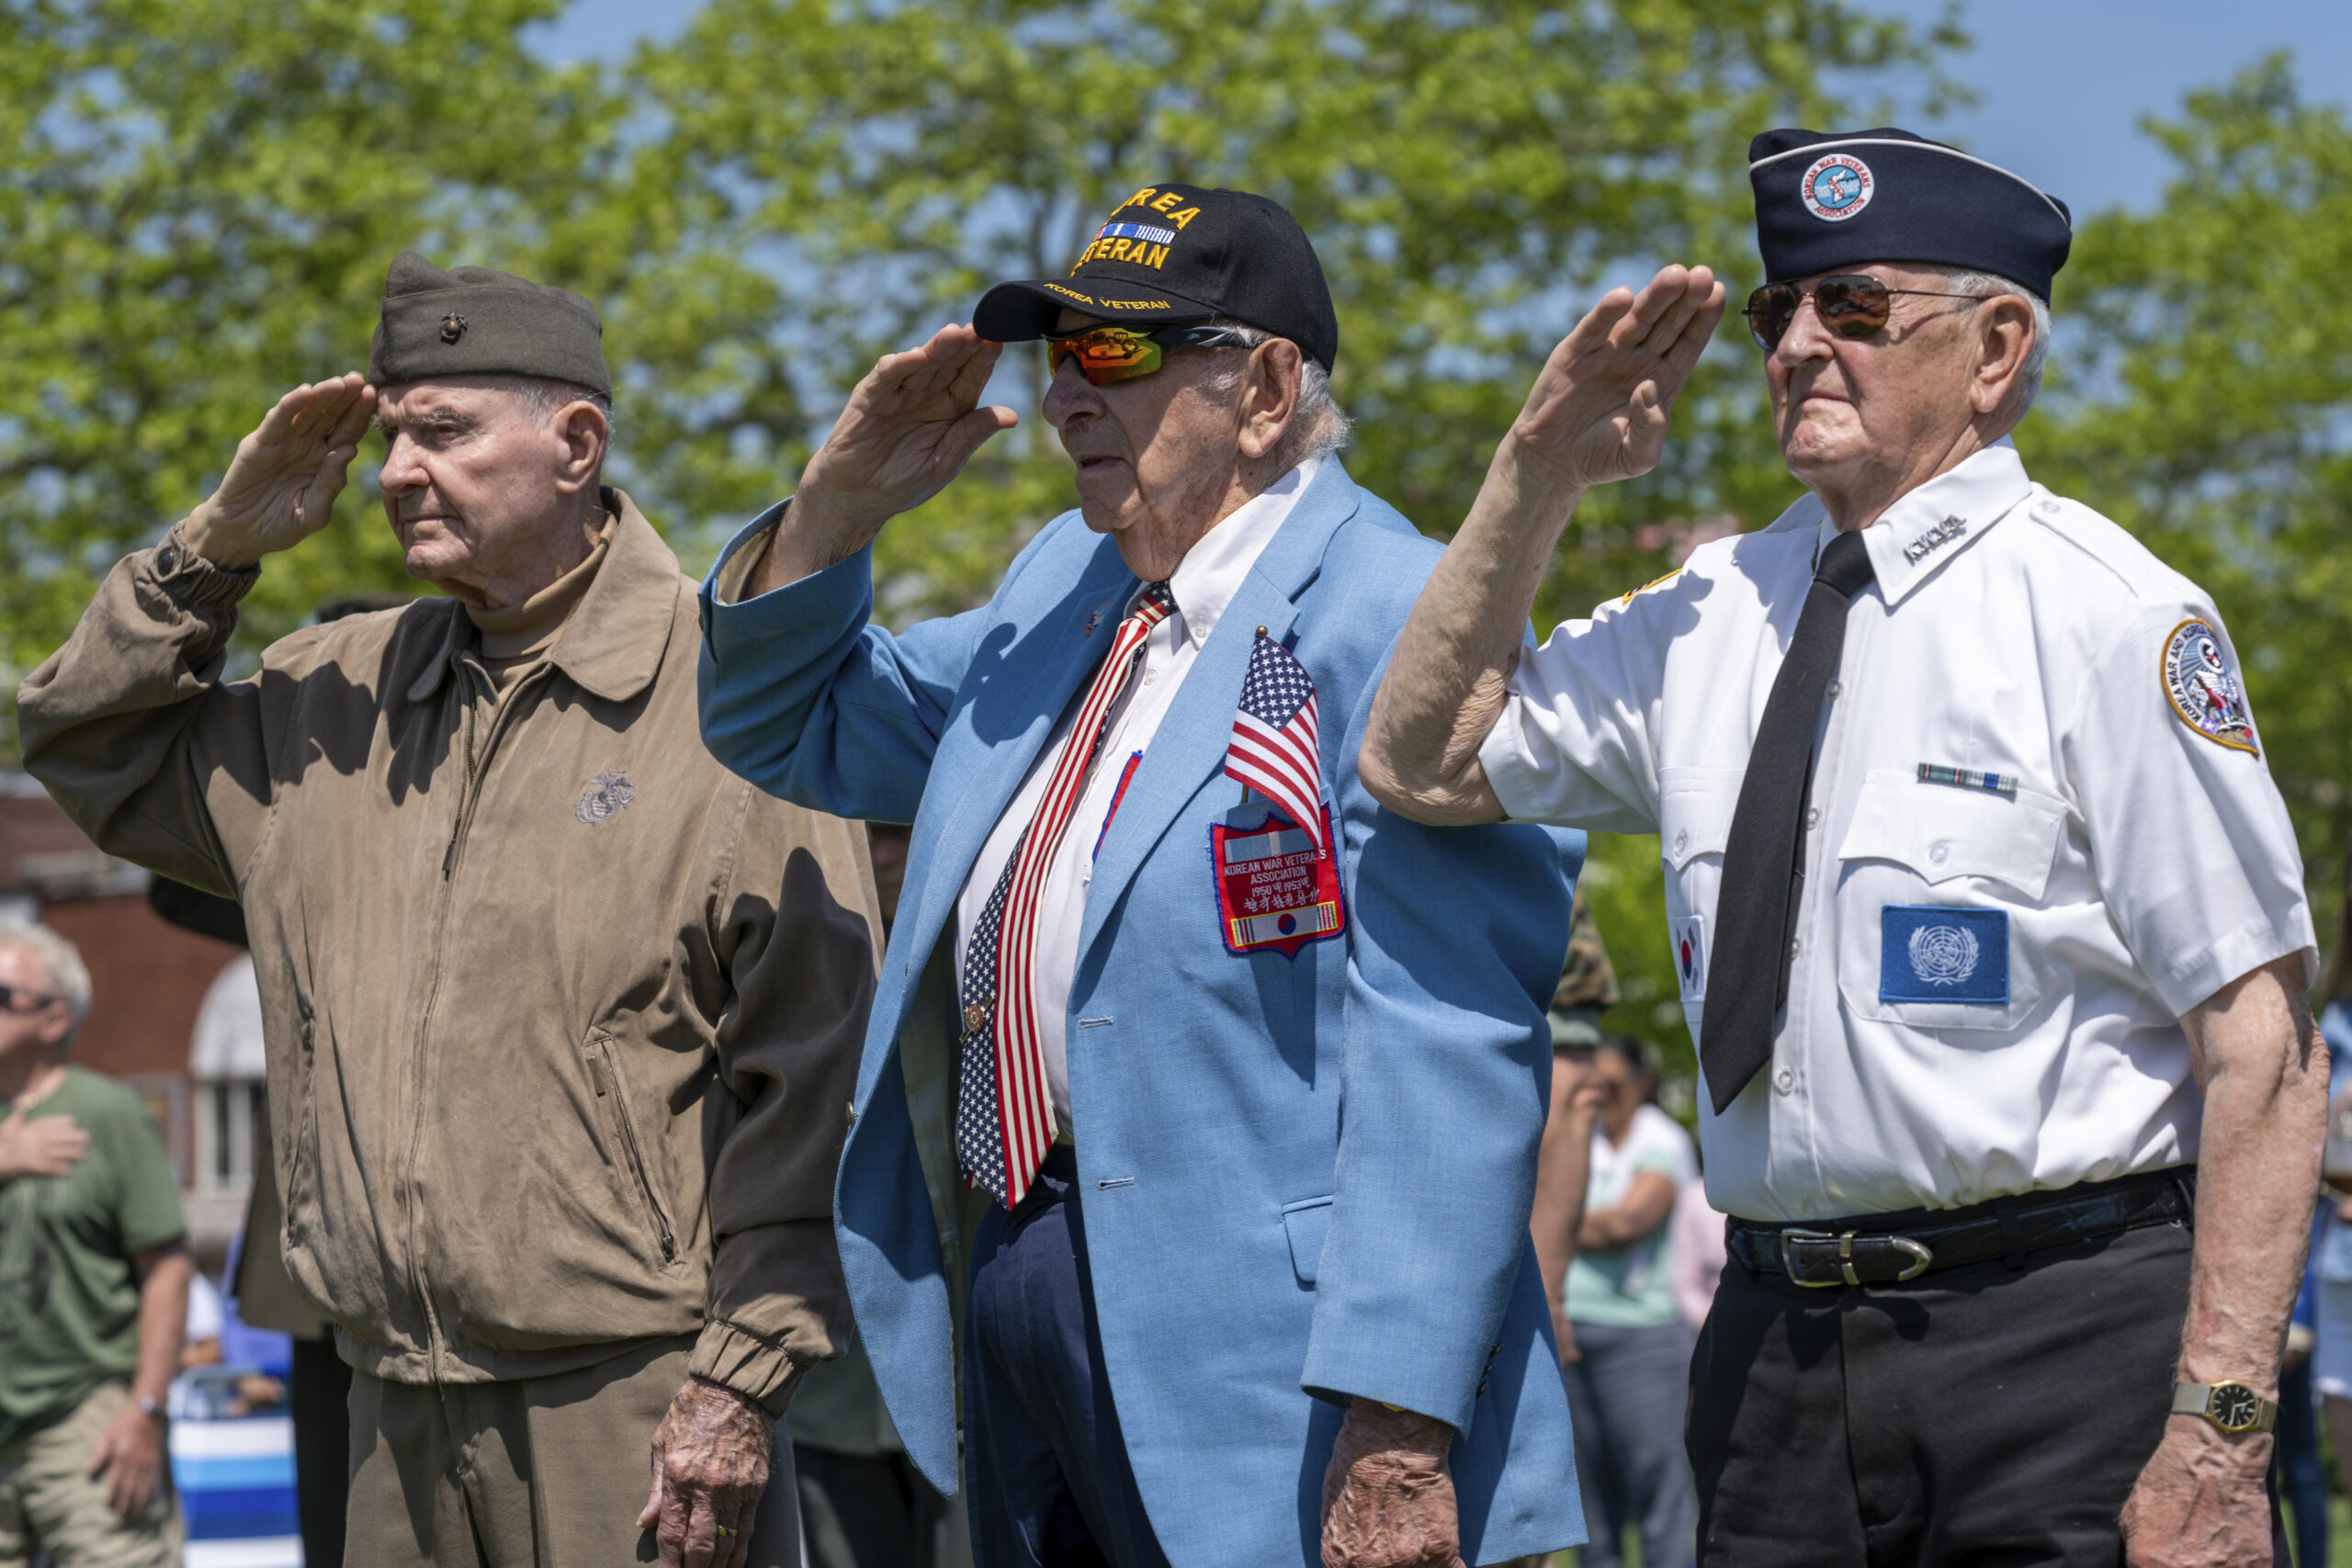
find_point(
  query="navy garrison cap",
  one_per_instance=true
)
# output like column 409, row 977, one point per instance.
column 1827, row 201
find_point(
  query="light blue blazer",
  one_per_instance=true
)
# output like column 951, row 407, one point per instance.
column 1306, row 1177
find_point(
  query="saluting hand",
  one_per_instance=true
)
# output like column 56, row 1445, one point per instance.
column 909, row 429
column 1599, row 410
column 281, row 485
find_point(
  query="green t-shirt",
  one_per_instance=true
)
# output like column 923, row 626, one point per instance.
column 69, row 1299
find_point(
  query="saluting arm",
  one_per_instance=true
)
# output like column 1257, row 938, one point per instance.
column 1597, row 413
column 129, row 724
column 798, row 693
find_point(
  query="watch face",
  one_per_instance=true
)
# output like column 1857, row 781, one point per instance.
column 2236, row 1407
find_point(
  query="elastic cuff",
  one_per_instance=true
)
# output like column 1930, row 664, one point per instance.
column 753, row 1366
column 192, row 580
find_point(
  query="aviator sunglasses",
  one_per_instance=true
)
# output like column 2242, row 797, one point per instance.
column 1853, row 305
column 1107, row 355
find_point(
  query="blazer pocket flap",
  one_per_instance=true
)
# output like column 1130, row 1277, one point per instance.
column 1940, row 832
column 1308, row 1220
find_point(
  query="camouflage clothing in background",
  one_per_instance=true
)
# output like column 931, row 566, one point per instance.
column 1587, row 983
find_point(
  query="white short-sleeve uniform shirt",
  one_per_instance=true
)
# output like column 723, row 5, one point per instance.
column 1990, row 960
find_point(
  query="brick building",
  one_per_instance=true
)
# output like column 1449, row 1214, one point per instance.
column 148, row 980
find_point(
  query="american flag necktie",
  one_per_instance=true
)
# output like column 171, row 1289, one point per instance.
column 1004, row 1117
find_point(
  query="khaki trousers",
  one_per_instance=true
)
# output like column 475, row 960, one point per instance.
column 533, row 1472
column 51, row 1503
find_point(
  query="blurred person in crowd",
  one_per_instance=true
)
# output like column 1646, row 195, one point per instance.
column 93, row 1282
column 863, row 1502
column 2301, row 1465
column 562, row 1017
column 1988, row 916
column 2331, row 1368
column 1695, row 1253
column 1209, row 1316
column 1632, row 1367
column 1587, row 987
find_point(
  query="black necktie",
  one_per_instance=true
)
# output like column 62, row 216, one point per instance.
column 1764, row 856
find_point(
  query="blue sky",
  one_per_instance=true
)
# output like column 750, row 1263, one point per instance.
column 2061, row 84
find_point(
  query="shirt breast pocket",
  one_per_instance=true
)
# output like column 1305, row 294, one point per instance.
column 1930, row 880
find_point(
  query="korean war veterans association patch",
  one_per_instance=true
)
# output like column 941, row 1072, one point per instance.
column 1931, row 953
column 1274, row 888
column 1838, row 187
column 2204, row 689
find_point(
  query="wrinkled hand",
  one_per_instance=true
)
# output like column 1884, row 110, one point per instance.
column 50, row 1146
column 1387, row 1495
column 2200, row 1501
column 130, row 1454
column 1599, row 410
column 281, row 485
column 907, row 430
column 710, row 1464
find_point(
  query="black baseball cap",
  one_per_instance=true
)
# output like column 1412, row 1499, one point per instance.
column 1174, row 253
column 1827, row 200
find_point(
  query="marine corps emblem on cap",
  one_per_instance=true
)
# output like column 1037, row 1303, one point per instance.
column 453, row 327
column 1837, row 188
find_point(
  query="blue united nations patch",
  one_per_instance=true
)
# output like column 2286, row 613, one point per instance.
column 1931, row 953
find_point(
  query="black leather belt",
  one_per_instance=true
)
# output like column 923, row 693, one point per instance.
column 1885, row 1249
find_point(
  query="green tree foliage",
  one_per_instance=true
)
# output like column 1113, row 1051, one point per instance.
column 2204, row 399
column 1466, row 172
column 197, row 201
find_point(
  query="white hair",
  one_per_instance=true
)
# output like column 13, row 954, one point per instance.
column 1984, row 285
column 542, row 397
column 1319, row 425
column 59, row 959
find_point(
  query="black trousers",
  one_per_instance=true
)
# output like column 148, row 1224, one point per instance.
column 1979, row 1416
column 866, row 1510
column 318, row 1397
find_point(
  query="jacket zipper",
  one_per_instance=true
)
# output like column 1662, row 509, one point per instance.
column 605, row 1063
column 475, row 768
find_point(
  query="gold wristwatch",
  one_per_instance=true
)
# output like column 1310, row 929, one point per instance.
column 2232, row 1407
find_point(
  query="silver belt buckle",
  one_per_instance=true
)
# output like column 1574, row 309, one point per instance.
column 1919, row 1254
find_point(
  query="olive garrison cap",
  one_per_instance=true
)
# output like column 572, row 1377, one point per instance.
column 469, row 320
column 1827, row 201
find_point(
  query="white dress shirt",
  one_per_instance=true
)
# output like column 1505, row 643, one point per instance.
column 2137, row 865
column 1203, row 585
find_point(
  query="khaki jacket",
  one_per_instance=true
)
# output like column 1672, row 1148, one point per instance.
column 564, row 1017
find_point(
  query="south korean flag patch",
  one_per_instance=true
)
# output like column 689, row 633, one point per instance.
column 2204, row 690
column 1689, row 943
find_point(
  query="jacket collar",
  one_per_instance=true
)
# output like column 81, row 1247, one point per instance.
column 613, row 645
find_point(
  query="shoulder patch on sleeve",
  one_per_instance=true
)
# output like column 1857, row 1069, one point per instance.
column 1654, row 582
column 2204, row 690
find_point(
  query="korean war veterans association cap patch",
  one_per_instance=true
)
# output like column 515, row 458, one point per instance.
column 469, row 320
column 1179, row 252
column 1827, row 201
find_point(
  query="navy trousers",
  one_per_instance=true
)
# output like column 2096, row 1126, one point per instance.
column 1048, row 1483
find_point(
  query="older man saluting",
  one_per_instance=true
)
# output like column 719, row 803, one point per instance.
column 563, row 1017
column 1990, row 918
column 1250, row 1069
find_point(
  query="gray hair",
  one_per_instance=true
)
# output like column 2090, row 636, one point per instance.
column 1984, row 285
column 542, row 397
column 59, row 958
column 1319, row 426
